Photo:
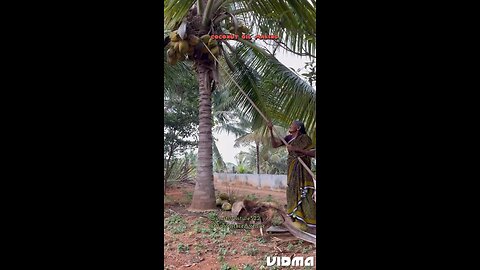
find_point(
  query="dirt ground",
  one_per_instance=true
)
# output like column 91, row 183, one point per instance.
column 193, row 241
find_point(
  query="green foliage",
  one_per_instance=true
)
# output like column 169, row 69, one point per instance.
column 225, row 266
column 250, row 250
column 176, row 224
column 248, row 267
column 222, row 251
column 181, row 248
column 261, row 240
column 180, row 118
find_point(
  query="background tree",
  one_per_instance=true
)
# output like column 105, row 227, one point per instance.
column 180, row 117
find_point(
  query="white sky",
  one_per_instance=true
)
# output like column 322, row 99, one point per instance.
column 225, row 142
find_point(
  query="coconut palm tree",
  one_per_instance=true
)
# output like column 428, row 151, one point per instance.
column 193, row 21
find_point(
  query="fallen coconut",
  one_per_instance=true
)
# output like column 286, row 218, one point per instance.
column 226, row 206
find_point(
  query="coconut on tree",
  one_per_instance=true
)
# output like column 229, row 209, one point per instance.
column 192, row 24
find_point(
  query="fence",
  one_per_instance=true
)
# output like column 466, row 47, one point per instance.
column 263, row 181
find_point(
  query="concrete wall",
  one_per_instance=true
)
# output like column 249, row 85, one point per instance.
column 263, row 181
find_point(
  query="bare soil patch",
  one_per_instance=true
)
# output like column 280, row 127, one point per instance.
column 194, row 241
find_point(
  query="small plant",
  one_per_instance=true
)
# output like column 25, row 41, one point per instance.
column 212, row 216
column 180, row 228
column 269, row 198
column 189, row 195
column 250, row 250
column 261, row 240
column 251, row 197
column 225, row 266
column 176, row 224
column 306, row 250
column 233, row 251
column 219, row 232
column 290, row 247
column 182, row 248
column 199, row 221
column 174, row 219
column 245, row 238
column 222, row 251
column 248, row 267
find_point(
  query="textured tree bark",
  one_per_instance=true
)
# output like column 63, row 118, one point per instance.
column 258, row 157
column 204, row 193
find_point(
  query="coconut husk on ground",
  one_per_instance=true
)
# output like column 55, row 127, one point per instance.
column 267, row 211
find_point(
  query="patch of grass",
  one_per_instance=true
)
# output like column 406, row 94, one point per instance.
column 250, row 250
column 219, row 232
column 305, row 250
column 199, row 221
column 233, row 251
column 181, row 248
column 269, row 198
column 212, row 216
column 199, row 248
column 248, row 267
column 290, row 247
column 225, row 266
column 176, row 224
column 181, row 228
column 261, row 240
column 251, row 197
column 188, row 195
column 245, row 238
column 167, row 199
column 222, row 251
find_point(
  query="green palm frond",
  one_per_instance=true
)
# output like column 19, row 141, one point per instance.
column 173, row 74
column 175, row 11
column 286, row 95
column 250, row 82
column 293, row 21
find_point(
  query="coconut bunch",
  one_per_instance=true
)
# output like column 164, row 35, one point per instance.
column 224, row 202
column 241, row 28
column 181, row 49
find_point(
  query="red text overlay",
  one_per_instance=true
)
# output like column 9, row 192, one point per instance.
column 232, row 36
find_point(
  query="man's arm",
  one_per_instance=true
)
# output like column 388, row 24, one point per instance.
column 275, row 143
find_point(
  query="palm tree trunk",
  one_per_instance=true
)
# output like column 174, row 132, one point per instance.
column 258, row 158
column 204, row 193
